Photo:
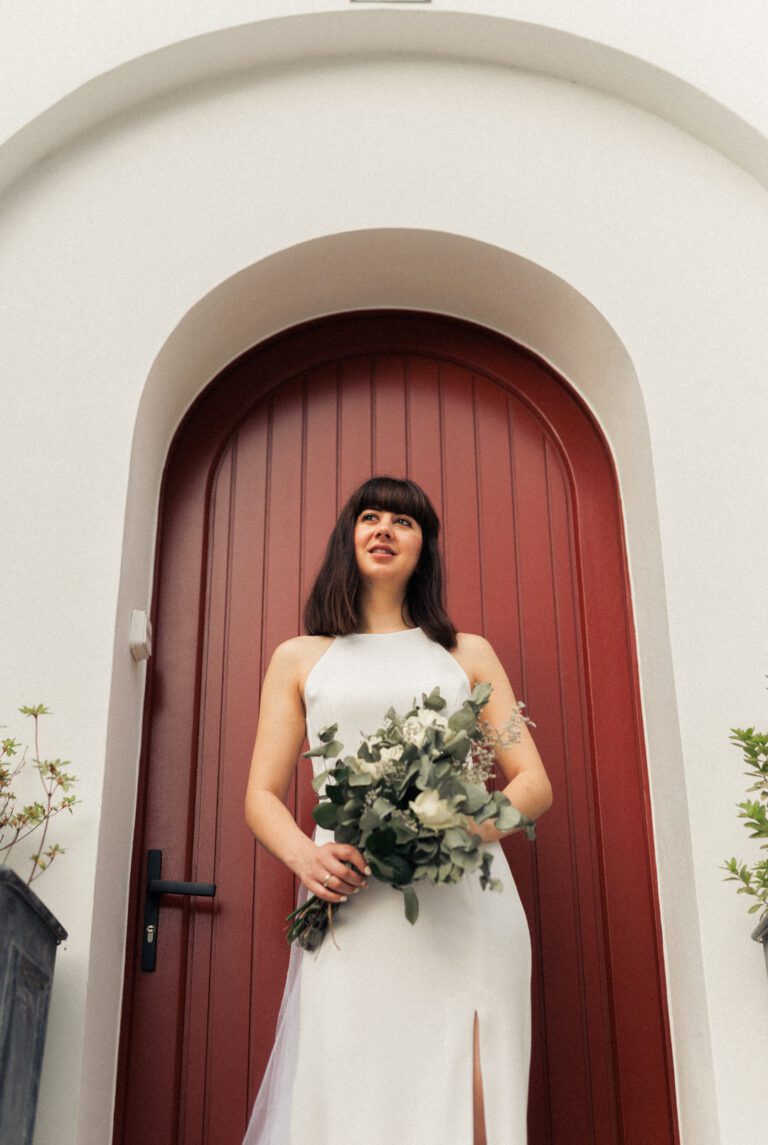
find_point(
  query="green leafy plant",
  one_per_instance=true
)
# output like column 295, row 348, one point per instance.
column 754, row 812
column 17, row 821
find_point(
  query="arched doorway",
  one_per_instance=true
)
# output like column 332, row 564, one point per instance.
column 535, row 557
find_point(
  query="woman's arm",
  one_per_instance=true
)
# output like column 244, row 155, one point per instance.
column 528, row 789
column 279, row 737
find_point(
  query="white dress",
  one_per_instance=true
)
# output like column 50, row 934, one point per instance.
column 374, row 1043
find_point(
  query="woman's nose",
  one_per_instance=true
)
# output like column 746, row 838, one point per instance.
column 384, row 528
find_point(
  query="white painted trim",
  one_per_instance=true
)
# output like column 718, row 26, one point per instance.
column 279, row 42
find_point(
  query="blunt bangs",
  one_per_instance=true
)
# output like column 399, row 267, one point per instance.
column 396, row 496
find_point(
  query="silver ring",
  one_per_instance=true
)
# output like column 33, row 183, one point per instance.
column 326, row 880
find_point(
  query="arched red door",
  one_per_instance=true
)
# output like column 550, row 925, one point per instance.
column 534, row 547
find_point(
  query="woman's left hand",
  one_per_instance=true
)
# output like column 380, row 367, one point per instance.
column 486, row 830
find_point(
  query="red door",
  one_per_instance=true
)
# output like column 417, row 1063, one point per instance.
column 525, row 487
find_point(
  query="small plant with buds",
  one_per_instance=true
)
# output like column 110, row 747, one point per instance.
column 18, row 822
column 753, row 878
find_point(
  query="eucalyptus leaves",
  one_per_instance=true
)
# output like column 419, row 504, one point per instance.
column 404, row 798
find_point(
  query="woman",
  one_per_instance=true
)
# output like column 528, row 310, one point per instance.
column 416, row 1034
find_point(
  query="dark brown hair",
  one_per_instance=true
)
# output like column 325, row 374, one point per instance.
column 332, row 607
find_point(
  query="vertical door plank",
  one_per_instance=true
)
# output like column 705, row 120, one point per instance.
column 204, row 811
column 424, row 464
column 558, row 910
column 462, row 540
column 390, row 427
column 355, row 452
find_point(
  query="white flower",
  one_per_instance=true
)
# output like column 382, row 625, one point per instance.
column 376, row 767
column 434, row 811
column 391, row 754
column 370, row 767
column 415, row 727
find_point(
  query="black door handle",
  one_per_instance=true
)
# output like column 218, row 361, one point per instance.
column 156, row 887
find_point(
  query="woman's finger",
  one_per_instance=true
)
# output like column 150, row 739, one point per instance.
column 346, row 873
column 325, row 891
column 342, row 879
column 347, row 851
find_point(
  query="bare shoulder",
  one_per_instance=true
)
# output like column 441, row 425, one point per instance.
column 474, row 648
column 293, row 659
column 473, row 653
column 476, row 655
column 471, row 642
column 300, row 652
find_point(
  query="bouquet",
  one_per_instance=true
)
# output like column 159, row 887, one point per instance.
column 404, row 799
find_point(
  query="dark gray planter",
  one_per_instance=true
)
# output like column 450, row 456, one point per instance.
column 760, row 934
column 29, row 935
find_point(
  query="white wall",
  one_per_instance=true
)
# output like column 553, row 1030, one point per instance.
column 148, row 253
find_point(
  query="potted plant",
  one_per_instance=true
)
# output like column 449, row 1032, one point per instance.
column 29, row 933
column 753, row 879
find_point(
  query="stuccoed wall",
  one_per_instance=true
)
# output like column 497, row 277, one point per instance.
column 625, row 245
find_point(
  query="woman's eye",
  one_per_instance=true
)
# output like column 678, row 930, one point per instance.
column 367, row 516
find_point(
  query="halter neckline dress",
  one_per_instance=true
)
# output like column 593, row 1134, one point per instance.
column 374, row 1043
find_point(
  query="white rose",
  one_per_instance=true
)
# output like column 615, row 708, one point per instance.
column 434, row 811
column 391, row 754
column 415, row 727
column 376, row 767
column 370, row 767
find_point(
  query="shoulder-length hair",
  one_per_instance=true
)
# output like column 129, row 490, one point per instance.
column 333, row 604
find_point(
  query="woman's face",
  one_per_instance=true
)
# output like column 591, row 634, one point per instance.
column 387, row 545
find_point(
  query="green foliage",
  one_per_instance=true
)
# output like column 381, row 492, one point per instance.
column 753, row 879
column 18, row 822
column 405, row 800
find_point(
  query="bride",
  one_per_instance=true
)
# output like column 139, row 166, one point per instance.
column 416, row 1034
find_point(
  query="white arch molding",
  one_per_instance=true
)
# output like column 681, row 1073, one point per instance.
column 276, row 41
column 413, row 269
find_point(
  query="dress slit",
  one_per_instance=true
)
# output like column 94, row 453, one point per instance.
column 478, row 1099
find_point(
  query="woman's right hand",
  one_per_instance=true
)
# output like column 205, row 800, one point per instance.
column 331, row 859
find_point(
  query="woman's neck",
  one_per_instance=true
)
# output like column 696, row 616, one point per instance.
column 384, row 615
